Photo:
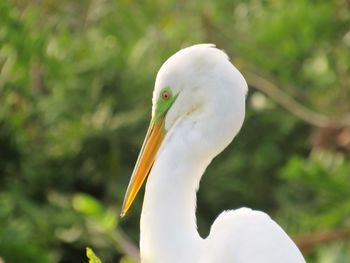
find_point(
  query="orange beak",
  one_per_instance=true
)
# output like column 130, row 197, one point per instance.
column 150, row 147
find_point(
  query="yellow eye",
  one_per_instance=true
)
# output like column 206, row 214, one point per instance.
column 165, row 95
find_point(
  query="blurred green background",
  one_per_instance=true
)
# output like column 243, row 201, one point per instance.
column 76, row 79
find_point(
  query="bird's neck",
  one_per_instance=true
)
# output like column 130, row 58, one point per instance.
column 168, row 222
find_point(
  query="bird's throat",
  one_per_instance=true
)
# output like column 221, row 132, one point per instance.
column 168, row 221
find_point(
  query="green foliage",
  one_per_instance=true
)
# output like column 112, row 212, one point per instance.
column 91, row 256
column 75, row 90
column 323, row 180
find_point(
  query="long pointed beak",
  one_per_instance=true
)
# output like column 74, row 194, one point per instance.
column 150, row 147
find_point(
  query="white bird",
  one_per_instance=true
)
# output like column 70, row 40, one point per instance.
column 198, row 108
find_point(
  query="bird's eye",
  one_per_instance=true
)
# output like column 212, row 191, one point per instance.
column 165, row 95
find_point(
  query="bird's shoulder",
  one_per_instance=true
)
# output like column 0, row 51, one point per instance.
column 238, row 219
column 245, row 235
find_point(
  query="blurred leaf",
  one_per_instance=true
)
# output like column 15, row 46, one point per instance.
column 91, row 256
column 86, row 204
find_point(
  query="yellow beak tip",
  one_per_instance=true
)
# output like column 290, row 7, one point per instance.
column 150, row 147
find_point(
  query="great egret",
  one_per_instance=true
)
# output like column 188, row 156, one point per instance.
column 198, row 108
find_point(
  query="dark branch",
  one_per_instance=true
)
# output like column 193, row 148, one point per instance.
column 309, row 242
column 291, row 105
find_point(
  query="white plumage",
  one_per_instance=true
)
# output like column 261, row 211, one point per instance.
column 206, row 112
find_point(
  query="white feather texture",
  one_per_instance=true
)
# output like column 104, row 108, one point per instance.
column 205, row 117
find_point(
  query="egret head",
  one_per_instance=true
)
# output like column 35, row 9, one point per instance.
column 194, row 77
column 200, row 87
